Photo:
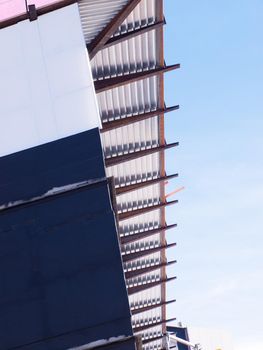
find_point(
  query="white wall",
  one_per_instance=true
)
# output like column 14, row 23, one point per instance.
column 46, row 88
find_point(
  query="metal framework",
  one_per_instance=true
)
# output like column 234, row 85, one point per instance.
column 111, row 83
column 126, row 50
column 118, row 123
column 151, row 307
column 142, row 271
column 128, row 67
column 144, row 234
column 141, row 253
column 137, row 154
column 101, row 39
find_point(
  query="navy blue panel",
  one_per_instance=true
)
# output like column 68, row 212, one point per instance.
column 61, row 277
column 33, row 172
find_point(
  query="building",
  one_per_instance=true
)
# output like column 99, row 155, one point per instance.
column 100, row 117
column 180, row 332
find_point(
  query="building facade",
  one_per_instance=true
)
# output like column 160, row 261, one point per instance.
column 82, row 126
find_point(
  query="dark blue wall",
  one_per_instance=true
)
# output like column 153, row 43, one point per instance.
column 33, row 172
column 61, row 276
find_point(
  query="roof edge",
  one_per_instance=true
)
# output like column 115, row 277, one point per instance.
column 40, row 11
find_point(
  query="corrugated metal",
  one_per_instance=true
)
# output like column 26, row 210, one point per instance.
column 128, row 100
column 134, row 55
column 95, row 15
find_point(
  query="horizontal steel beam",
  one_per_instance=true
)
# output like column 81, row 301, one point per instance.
column 136, row 212
column 151, row 325
column 111, row 83
column 137, row 154
column 143, row 234
column 139, row 272
column 151, row 307
column 143, row 287
column 118, row 123
column 142, row 184
column 141, row 253
column 132, row 34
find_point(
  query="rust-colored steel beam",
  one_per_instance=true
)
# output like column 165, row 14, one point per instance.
column 111, row 83
column 141, row 253
column 151, row 307
column 137, row 154
column 140, row 235
column 151, row 325
column 98, row 43
column 142, row 184
column 118, row 123
column 142, row 287
column 136, row 212
column 139, row 272
column 132, row 34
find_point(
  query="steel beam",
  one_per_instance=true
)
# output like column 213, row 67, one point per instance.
column 140, row 235
column 98, row 43
column 151, row 307
column 111, row 83
column 132, row 34
column 151, row 325
column 118, row 123
column 141, row 253
column 139, row 272
column 142, row 287
column 142, row 184
column 137, row 154
column 136, row 212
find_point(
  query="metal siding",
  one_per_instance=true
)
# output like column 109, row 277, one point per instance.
column 134, row 55
column 95, row 15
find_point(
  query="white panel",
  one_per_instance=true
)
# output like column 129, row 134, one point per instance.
column 46, row 88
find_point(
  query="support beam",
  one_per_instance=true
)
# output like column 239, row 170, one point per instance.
column 98, row 43
column 142, row 184
column 151, row 325
column 132, row 34
column 143, row 287
column 111, row 83
column 137, row 154
column 118, row 123
column 136, row 212
column 141, row 253
column 141, row 235
column 151, row 307
column 139, row 272
column 151, row 340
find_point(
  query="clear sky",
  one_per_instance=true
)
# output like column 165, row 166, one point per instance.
column 220, row 162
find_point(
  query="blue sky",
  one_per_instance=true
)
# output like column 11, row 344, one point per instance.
column 220, row 162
